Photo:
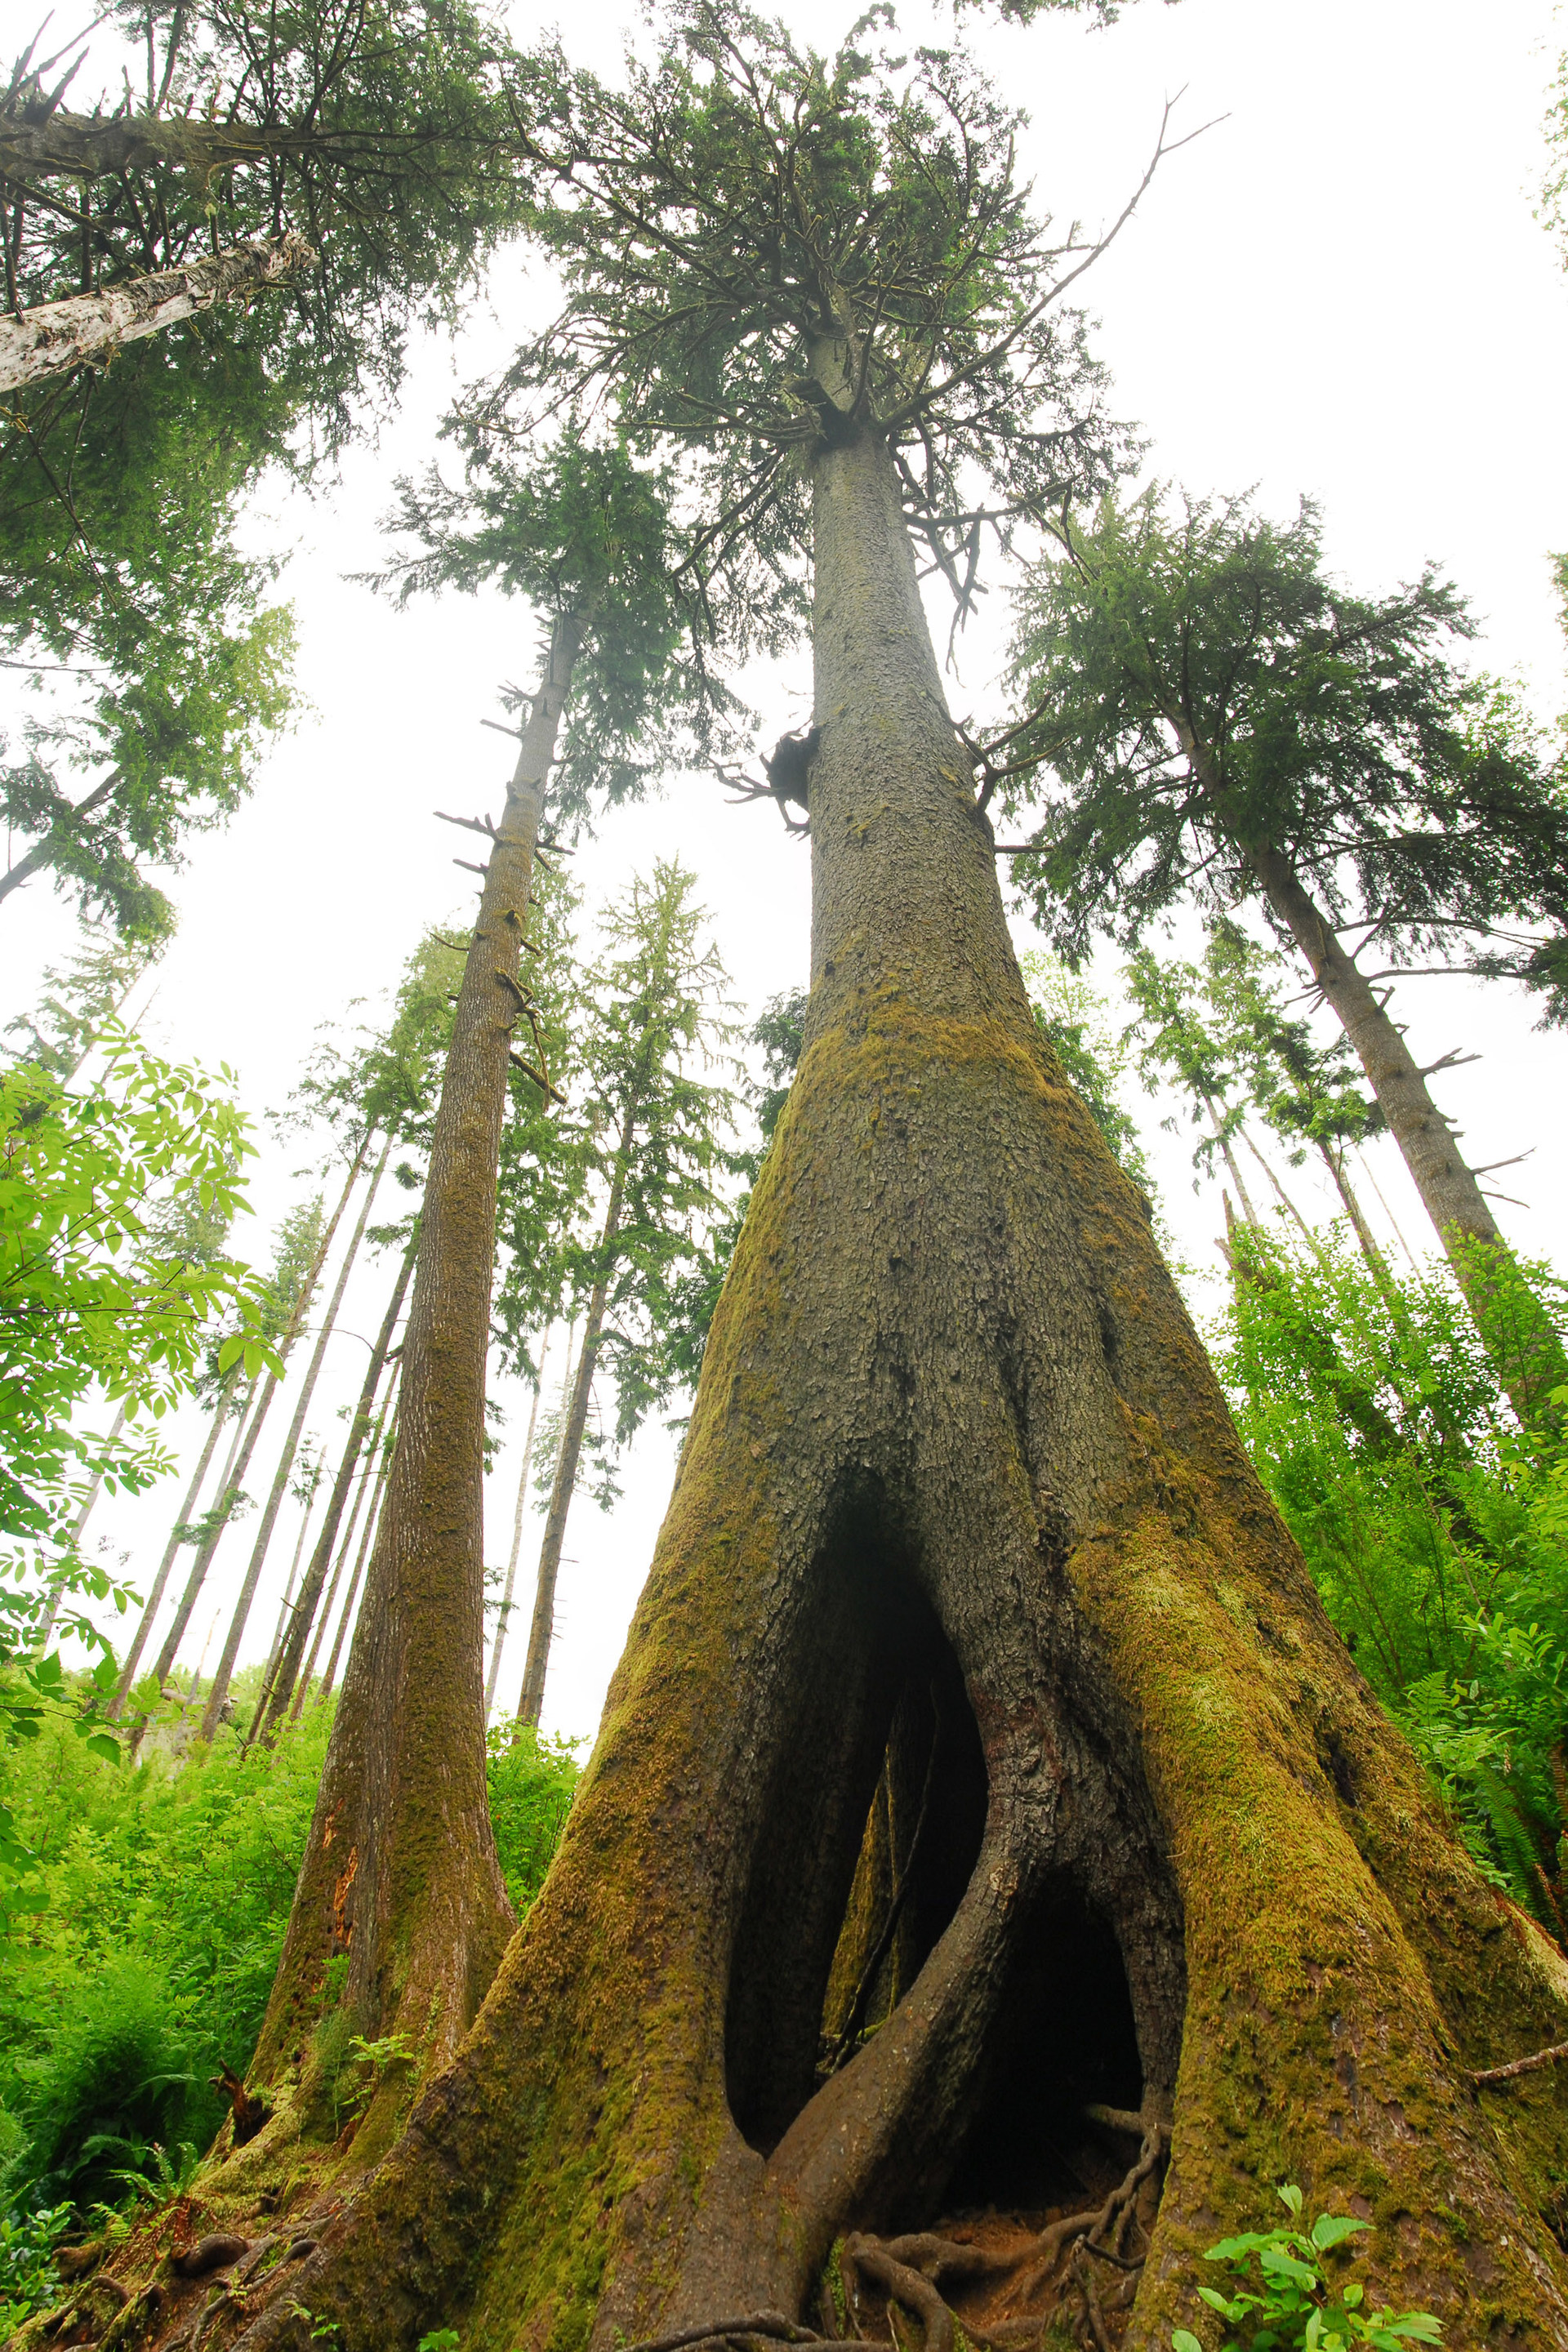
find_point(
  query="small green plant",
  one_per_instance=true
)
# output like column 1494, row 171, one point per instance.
column 1297, row 2309
column 167, row 2180
column 28, row 2279
column 440, row 2339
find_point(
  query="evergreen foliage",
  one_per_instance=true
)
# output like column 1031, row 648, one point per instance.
column 1199, row 688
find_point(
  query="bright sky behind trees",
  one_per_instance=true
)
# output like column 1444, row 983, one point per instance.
column 1340, row 289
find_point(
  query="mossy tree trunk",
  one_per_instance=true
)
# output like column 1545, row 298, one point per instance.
column 955, row 1442
column 400, row 1871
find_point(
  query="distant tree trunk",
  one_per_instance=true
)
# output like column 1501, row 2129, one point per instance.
column 541, row 1630
column 955, row 1438
column 278, row 1689
column 247, row 1428
column 47, row 1629
column 286, row 1606
column 403, row 1807
column 165, row 1566
column 504, row 1617
column 370, row 1483
column 55, row 337
column 1220, row 1136
column 376, row 1473
column 1377, row 1265
column 1528, row 1355
column 291, row 1447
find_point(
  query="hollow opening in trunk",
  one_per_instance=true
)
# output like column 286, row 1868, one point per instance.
column 869, row 1833
column 1063, row 2039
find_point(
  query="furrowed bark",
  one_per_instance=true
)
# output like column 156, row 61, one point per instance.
column 86, row 146
column 273, row 1704
column 165, row 1566
column 88, row 328
column 954, row 1434
column 400, row 1869
column 504, row 1617
column 567, row 1459
column 259, row 1550
column 1522, row 1342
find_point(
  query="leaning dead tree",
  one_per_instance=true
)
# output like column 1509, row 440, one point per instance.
column 88, row 328
column 968, row 1602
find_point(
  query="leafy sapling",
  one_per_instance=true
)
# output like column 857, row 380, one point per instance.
column 1295, row 2306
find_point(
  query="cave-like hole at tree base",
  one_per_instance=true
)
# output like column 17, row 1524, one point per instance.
column 881, row 1779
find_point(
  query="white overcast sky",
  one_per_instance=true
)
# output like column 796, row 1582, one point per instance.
column 1341, row 288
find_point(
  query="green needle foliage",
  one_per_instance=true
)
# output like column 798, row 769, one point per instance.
column 382, row 135
column 1199, row 688
column 723, row 219
column 580, row 531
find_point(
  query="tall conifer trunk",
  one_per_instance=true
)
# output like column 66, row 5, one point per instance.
column 160, row 1582
column 400, row 1871
column 955, row 1445
column 1528, row 1355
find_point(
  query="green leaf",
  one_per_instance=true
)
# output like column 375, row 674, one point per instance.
column 1332, row 2229
column 1184, row 2340
column 1289, row 2194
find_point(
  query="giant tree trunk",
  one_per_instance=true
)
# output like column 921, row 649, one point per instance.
column 569, row 1455
column 400, row 1870
column 955, row 1440
column 1521, row 1343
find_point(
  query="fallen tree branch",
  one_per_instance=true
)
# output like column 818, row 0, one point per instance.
column 56, row 337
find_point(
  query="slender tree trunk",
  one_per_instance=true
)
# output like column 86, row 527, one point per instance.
column 380, row 1464
column 1220, row 1136
column 400, row 1868
column 273, row 1704
column 286, row 1606
column 47, row 1629
column 165, row 1566
column 56, row 337
column 518, row 1517
column 1377, row 1265
column 231, row 1483
column 369, row 1485
column 247, row 1423
column 42, row 854
column 1366, row 1171
column 1526, row 1351
column 954, row 1434
column 543, row 1628
column 290, row 1447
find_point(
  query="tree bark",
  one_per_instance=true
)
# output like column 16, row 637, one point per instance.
column 954, row 1433
column 1528, row 1357
column 87, row 146
column 518, row 1517
column 165, row 1566
column 273, row 1704
column 543, row 1628
column 259, row 1551
column 56, row 337
column 400, row 1868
